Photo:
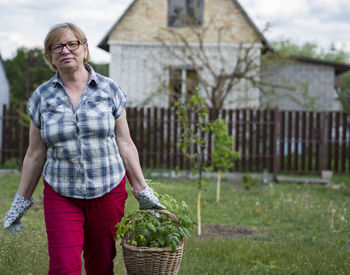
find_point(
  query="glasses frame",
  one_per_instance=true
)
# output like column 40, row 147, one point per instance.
column 66, row 45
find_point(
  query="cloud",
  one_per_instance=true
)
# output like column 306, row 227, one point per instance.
column 26, row 22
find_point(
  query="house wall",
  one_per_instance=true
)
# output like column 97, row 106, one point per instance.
column 300, row 86
column 141, row 69
column 4, row 94
column 147, row 19
column 4, row 85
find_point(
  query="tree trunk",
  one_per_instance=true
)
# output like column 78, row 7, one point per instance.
column 218, row 186
column 199, row 232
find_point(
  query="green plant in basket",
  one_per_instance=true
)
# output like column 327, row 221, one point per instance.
column 142, row 228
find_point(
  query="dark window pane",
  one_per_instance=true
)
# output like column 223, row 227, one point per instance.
column 194, row 10
column 176, row 13
column 175, row 85
column 183, row 13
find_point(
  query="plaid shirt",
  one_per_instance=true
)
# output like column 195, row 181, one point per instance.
column 82, row 159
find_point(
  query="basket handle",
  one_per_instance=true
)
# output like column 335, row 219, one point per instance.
column 166, row 212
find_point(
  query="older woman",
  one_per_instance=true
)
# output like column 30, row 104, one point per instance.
column 79, row 141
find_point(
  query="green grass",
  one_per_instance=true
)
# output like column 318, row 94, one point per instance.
column 303, row 229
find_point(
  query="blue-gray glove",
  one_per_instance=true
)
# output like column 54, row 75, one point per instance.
column 13, row 217
column 147, row 199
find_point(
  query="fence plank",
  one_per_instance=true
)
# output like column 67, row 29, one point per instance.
column 343, row 150
column 318, row 139
column 282, row 139
column 251, row 139
column 311, row 141
column 296, row 141
column 336, row 146
column 237, row 140
column 289, row 154
column 265, row 140
column 257, row 141
column 303, row 135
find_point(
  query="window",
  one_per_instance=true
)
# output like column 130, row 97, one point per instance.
column 184, row 13
column 182, row 83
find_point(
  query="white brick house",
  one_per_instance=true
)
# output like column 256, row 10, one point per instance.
column 144, row 68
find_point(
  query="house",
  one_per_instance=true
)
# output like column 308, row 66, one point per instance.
column 145, row 68
column 4, row 93
column 302, row 83
column 4, row 85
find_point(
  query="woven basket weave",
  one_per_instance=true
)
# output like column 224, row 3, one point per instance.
column 152, row 260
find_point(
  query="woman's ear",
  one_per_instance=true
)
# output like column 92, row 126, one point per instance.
column 86, row 50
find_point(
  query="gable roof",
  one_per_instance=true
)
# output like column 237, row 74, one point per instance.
column 104, row 42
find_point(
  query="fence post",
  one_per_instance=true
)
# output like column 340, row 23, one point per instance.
column 274, row 143
column 323, row 141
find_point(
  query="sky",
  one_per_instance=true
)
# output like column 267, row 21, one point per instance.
column 26, row 22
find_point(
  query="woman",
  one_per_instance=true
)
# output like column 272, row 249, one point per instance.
column 79, row 141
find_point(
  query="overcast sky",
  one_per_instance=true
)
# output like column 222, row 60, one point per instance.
column 26, row 22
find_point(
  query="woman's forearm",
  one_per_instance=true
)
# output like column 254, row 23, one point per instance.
column 31, row 172
column 129, row 154
column 33, row 163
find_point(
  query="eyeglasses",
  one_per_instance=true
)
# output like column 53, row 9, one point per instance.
column 71, row 45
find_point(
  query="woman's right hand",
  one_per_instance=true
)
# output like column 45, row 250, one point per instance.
column 19, row 206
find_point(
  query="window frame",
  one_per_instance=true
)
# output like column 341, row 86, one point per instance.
column 184, row 82
column 184, row 23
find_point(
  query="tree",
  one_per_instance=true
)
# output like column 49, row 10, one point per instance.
column 310, row 49
column 192, row 141
column 223, row 155
column 344, row 92
column 219, row 68
column 26, row 71
column 101, row 68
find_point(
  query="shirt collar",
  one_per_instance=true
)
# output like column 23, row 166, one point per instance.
column 56, row 80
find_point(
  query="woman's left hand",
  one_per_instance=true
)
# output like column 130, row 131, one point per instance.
column 147, row 199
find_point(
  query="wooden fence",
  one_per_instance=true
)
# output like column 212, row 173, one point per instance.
column 275, row 140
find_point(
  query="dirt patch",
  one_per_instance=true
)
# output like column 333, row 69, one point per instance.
column 220, row 231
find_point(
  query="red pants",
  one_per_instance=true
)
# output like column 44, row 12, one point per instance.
column 74, row 225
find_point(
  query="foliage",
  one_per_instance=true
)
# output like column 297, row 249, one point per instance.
column 310, row 49
column 344, row 93
column 193, row 136
column 142, row 228
column 101, row 68
column 26, row 71
column 223, row 155
column 248, row 181
column 12, row 163
column 192, row 139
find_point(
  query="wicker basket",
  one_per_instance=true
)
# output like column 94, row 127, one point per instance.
column 152, row 260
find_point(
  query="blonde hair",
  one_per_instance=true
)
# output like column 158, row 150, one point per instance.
column 54, row 34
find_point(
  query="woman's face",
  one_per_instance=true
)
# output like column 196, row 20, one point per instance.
column 69, row 60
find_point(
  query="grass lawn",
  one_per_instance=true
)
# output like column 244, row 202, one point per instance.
column 302, row 229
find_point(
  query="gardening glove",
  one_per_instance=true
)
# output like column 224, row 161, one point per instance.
column 13, row 217
column 147, row 199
